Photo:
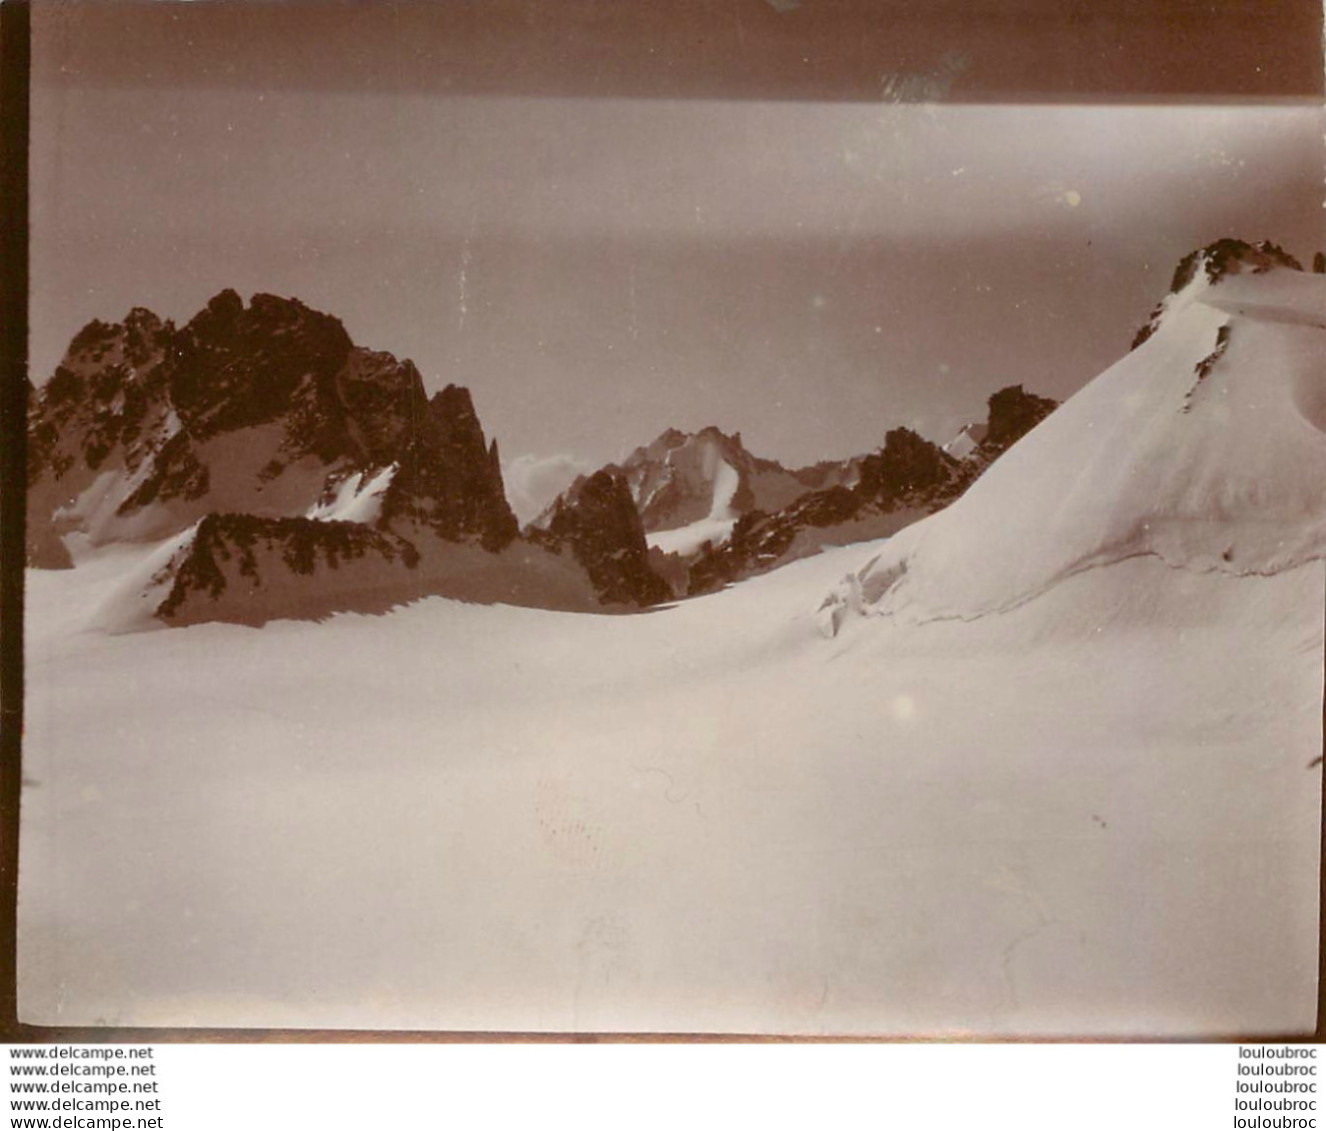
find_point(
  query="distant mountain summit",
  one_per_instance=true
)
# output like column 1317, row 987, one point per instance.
column 683, row 478
column 691, row 488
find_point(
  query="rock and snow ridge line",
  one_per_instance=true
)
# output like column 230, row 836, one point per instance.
column 705, row 531
column 271, row 412
column 133, row 376
column 903, row 482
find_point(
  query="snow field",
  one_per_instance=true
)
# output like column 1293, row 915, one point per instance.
column 707, row 817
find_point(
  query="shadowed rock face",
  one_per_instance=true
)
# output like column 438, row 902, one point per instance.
column 907, row 464
column 264, row 408
column 233, row 557
column 237, row 367
column 449, row 479
column 101, row 395
column 603, row 530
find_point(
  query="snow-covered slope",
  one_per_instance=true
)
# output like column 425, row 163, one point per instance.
column 706, row 818
column 1203, row 448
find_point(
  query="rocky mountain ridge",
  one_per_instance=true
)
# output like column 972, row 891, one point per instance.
column 281, row 469
column 266, row 426
column 907, row 479
column 145, row 428
column 682, row 478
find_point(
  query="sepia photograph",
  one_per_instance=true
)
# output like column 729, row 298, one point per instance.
column 796, row 518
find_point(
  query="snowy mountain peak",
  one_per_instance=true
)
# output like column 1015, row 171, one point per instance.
column 690, row 487
column 1203, row 447
column 1204, row 268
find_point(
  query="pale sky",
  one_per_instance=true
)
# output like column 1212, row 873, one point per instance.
column 808, row 272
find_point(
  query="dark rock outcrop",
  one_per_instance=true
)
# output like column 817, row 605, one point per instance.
column 905, row 466
column 247, row 570
column 449, row 479
column 602, row 528
column 1013, row 413
column 238, row 367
